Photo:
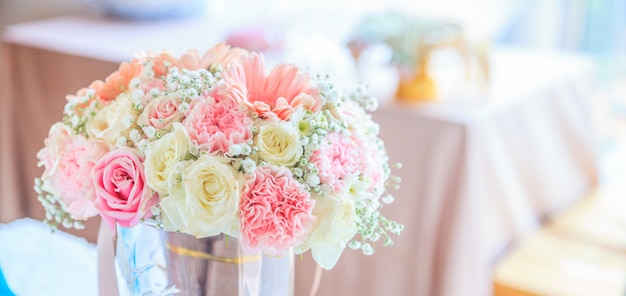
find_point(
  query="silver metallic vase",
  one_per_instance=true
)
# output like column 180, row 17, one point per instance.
column 150, row 261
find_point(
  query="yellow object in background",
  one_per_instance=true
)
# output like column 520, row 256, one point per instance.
column 414, row 43
column 420, row 87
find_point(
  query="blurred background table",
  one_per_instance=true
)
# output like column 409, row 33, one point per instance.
column 477, row 173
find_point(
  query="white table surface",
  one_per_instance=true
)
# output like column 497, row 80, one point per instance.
column 114, row 40
column 37, row 262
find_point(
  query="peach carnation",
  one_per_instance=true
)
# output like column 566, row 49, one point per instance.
column 117, row 82
column 73, row 178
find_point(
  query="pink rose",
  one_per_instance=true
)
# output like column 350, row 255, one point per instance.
column 336, row 159
column 122, row 194
column 160, row 113
column 275, row 211
column 217, row 126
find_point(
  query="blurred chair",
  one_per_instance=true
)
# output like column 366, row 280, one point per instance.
column 580, row 252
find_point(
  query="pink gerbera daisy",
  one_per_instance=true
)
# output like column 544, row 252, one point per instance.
column 276, row 95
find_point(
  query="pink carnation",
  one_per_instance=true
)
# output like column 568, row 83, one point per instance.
column 275, row 211
column 336, row 159
column 217, row 126
column 372, row 162
column 122, row 194
column 73, row 178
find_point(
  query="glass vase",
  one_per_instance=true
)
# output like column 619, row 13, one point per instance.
column 150, row 261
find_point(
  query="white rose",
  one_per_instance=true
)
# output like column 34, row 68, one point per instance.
column 207, row 201
column 162, row 156
column 109, row 123
column 279, row 143
column 173, row 210
column 356, row 188
column 336, row 227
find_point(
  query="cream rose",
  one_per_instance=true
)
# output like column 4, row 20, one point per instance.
column 162, row 157
column 207, row 201
column 279, row 143
column 114, row 120
column 337, row 216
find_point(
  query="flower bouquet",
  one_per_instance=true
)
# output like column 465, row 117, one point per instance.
column 213, row 144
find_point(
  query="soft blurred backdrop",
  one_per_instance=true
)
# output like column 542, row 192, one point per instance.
column 333, row 37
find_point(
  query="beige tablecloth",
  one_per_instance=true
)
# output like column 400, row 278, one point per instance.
column 477, row 174
column 35, row 84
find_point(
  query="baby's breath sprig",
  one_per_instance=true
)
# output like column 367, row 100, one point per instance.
column 247, row 165
column 216, row 69
column 364, row 99
column 372, row 227
column 188, row 84
column 331, row 96
column 79, row 110
column 154, row 220
column 314, row 131
column 55, row 213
